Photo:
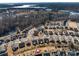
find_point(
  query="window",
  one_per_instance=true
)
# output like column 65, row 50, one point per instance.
column 77, row 54
column 7, row 41
column 40, row 41
column 71, row 53
column 62, row 53
column 38, row 55
column 15, row 48
column 76, row 30
column 1, row 41
column 4, row 54
column 28, row 44
column 58, row 41
column 21, row 45
column 64, row 42
column 46, row 27
column 75, row 41
column 50, row 32
column 35, row 33
column 34, row 42
column 46, row 40
column 54, row 53
column 13, row 38
column 46, row 33
column 66, row 33
column 52, row 41
column 24, row 35
column 46, row 54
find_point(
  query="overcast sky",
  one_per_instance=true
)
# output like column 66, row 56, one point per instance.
column 20, row 1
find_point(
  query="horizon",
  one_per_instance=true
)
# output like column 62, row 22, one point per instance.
column 35, row 1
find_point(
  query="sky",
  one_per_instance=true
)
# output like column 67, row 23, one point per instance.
column 22, row 1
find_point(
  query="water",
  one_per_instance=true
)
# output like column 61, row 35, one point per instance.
column 55, row 6
column 23, row 6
